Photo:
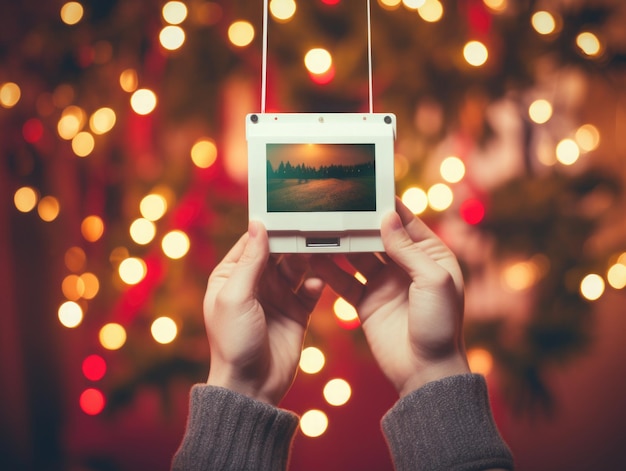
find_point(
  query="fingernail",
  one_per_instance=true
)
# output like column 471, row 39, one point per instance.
column 396, row 222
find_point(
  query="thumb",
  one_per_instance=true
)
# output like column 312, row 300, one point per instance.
column 247, row 272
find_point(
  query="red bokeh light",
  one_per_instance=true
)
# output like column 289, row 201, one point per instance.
column 94, row 367
column 325, row 78
column 32, row 130
column 331, row 2
column 92, row 401
column 472, row 211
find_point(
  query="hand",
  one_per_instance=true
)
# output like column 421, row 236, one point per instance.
column 256, row 311
column 411, row 308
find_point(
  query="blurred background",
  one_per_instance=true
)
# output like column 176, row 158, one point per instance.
column 124, row 181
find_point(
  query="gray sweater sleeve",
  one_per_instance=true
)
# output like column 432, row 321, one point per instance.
column 446, row 425
column 229, row 431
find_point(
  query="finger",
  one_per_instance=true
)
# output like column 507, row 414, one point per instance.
column 404, row 250
column 417, row 229
column 341, row 282
column 252, row 259
column 367, row 264
column 293, row 269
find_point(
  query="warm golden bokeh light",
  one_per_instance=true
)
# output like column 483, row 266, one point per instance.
column 431, row 11
column 132, row 270
column 497, row 6
column 283, row 10
column 25, row 199
column 102, row 120
column 567, row 152
column 83, row 144
column 48, row 208
column 587, row 137
column 175, row 244
column 318, row 61
column 164, row 330
column 153, row 207
column 91, row 285
column 413, row 4
column 142, row 231
column 543, row 22
column 313, row 423
column 70, row 314
column 440, row 197
column 337, row 392
column 174, row 12
column 589, row 43
column 480, row 361
column 71, row 13
column 344, row 311
column 312, row 360
column 73, row 287
column 241, row 33
column 128, row 80
column 10, row 94
column 75, row 259
column 112, row 336
column 143, row 101
column 540, row 111
column 390, row 4
column 475, row 53
column 592, row 287
column 204, row 153
column 172, row 37
column 616, row 276
column 520, row 276
column 452, row 169
column 415, row 199
column 92, row 228
column 71, row 122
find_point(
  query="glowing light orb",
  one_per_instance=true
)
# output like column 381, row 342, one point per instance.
column 312, row 360
column 153, row 207
column 143, row 101
column 112, row 336
column 175, row 244
column 592, row 287
column 241, row 33
column 172, row 37
column 540, row 111
column 142, row 231
column 543, row 22
column 415, row 199
column 48, row 208
column 174, row 12
column 71, row 13
column 92, row 228
column 337, row 392
column 567, row 152
column 102, row 120
column 92, row 401
column 318, row 61
column 313, row 423
column 204, row 153
column 475, row 53
column 164, row 330
column 452, row 169
column 70, row 314
column 25, row 199
column 10, row 94
column 440, row 197
column 132, row 270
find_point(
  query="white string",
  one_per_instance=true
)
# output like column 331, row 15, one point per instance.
column 264, row 72
column 369, row 55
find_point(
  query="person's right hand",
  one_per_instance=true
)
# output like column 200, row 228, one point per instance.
column 411, row 308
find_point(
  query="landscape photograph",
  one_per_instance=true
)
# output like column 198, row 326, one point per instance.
column 321, row 177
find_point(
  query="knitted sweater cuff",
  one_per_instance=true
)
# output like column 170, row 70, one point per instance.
column 230, row 431
column 446, row 425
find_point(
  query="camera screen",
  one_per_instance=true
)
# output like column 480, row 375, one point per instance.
column 321, row 177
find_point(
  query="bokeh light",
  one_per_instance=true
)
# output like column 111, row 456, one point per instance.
column 172, row 37
column 452, row 169
column 204, row 153
column 592, row 287
column 164, row 330
column 241, row 33
column 413, row 4
column 92, row 228
column 48, row 208
column 520, row 276
column 25, row 199
column 128, row 80
column 567, row 152
column 540, row 111
column 587, row 137
column 390, row 4
column 440, row 197
column 497, row 6
column 480, row 361
column 475, row 53
column 589, row 43
column 616, row 276
column 153, row 207
column 337, row 392
column 73, row 287
column 472, row 210
column 94, row 367
column 175, row 244
column 132, row 270
column 10, row 94
column 312, row 360
column 102, row 120
column 70, row 314
column 71, row 13
column 346, row 313
column 92, row 401
column 543, row 22
column 142, row 231
column 318, row 61
column 174, row 12
column 313, row 423
column 91, row 285
column 143, row 101
column 75, row 259
column 415, row 199
column 83, row 144
column 112, row 336
column 431, row 11
column 283, row 10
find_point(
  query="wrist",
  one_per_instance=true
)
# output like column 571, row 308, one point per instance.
column 435, row 371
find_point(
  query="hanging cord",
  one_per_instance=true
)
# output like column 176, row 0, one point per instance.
column 264, row 72
column 369, row 55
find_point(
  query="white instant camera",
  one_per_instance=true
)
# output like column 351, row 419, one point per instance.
column 321, row 182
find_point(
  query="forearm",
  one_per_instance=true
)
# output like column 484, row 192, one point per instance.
column 229, row 431
column 446, row 425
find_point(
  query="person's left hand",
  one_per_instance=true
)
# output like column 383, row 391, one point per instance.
column 256, row 312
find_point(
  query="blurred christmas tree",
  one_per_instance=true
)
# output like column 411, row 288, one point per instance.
column 123, row 127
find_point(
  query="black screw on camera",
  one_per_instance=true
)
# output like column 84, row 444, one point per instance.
column 254, row 118
column 388, row 119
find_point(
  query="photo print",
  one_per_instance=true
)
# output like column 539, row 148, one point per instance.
column 321, row 177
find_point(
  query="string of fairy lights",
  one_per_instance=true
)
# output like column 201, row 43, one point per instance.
column 82, row 129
